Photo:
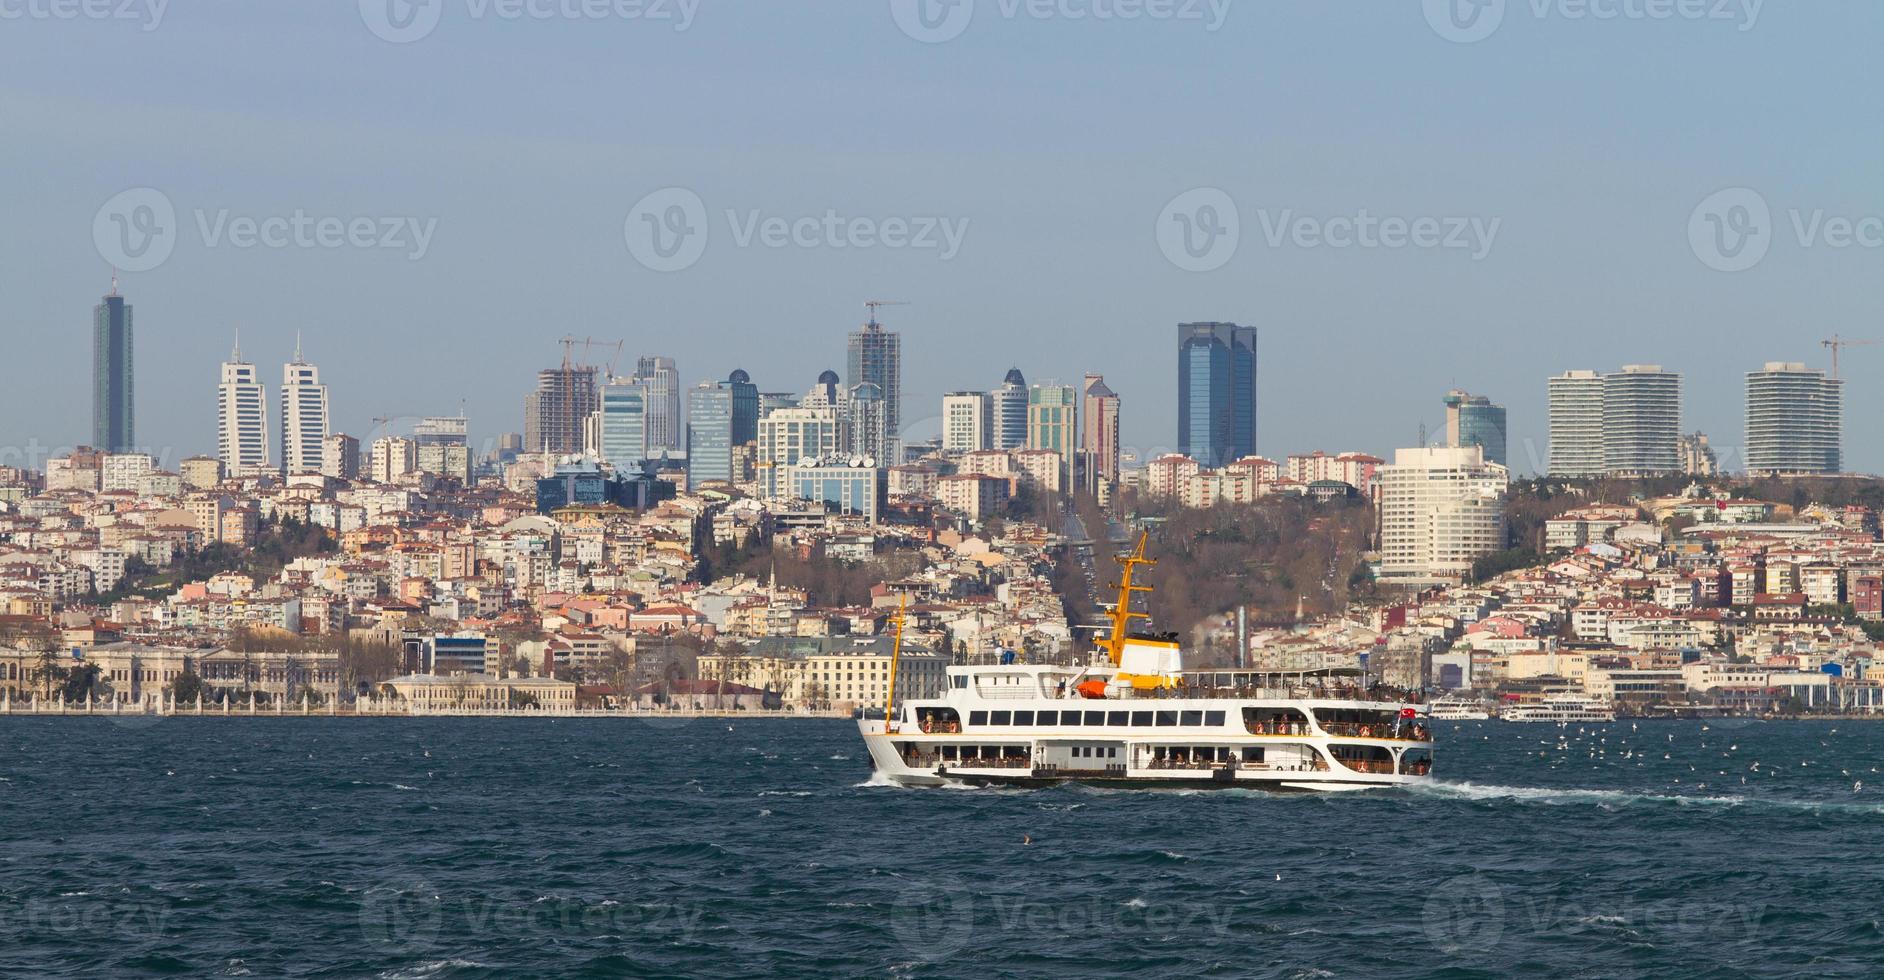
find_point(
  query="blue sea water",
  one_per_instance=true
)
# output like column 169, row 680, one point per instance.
column 498, row 848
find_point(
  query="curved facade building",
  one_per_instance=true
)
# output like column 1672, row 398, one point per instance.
column 1795, row 421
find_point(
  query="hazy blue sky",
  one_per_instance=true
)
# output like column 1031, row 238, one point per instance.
column 1058, row 140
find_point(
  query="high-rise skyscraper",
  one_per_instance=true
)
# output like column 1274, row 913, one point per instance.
column 666, row 426
column 1216, row 392
column 1440, row 511
column 867, row 424
column 241, row 418
column 554, row 414
column 1795, row 421
column 304, row 415
column 876, row 357
column 1099, row 432
column 710, row 433
column 1626, row 423
column 1576, row 424
column 623, row 425
column 745, row 407
column 114, row 413
column 1007, row 407
column 1472, row 420
column 966, row 421
column 1642, row 421
column 1053, row 423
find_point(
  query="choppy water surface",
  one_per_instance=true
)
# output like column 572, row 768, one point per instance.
column 496, row 848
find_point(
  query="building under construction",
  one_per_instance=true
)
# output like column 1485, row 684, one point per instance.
column 553, row 414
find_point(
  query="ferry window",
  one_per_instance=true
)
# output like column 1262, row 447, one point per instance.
column 1120, row 718
column 960, row 681
column 1023, row 718
column 1166, row 719
column 1002, row 718
column 1191, row 718
column 1112, row 753
column 1141, row 719
column 977, row 717
column 1049, row 718
column 1213, row 718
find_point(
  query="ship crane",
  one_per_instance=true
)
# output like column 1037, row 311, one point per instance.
column 1122, row 614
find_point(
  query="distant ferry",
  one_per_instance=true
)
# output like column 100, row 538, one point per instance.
column 1139, row 718
column 1561, row 709
column 1457, row 708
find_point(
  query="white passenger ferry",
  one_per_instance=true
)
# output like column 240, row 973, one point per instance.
column 1137, row 717
column 1457, row 708
column 1563, row 709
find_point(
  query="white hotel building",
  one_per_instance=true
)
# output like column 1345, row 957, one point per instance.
column 1441, row 510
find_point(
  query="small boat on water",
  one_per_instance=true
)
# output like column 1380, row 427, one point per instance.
column 1456, row 708
column 1561, row 709
column 1137, row 716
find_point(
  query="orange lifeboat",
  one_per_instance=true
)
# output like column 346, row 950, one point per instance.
column 1094, row 689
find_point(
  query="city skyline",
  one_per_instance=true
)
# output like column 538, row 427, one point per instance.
column 1593, row 263
column 1671, row 428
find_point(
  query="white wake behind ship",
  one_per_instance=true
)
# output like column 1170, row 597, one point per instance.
column 1138, row 717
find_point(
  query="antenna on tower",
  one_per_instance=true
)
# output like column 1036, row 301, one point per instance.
column 297, row 347
column 114, row 283
column 1422, row 434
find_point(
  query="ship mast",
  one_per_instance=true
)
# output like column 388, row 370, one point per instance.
column 896, row 655
column 1122, row 614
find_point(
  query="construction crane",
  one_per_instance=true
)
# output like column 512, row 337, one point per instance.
column 875, row 304
column 1837, row 343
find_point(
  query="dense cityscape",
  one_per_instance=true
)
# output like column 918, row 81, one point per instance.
column 644, row 545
